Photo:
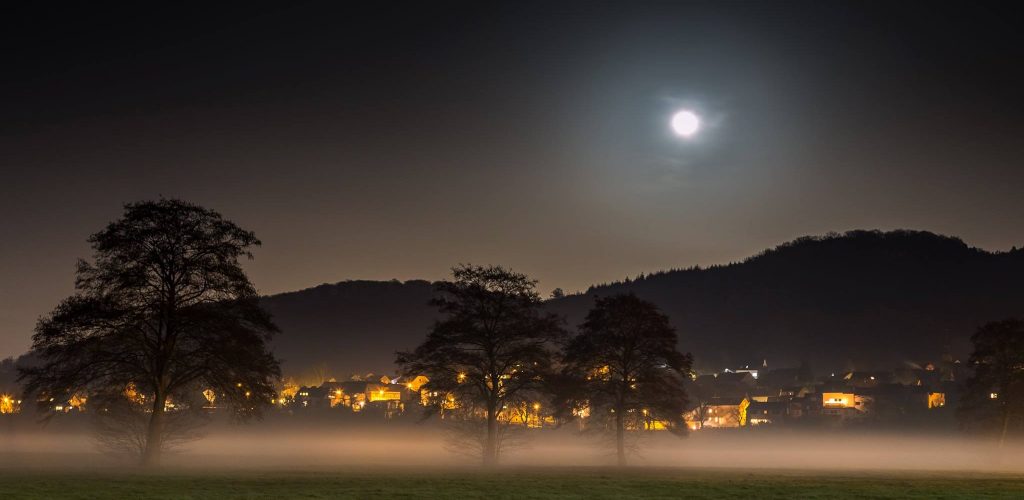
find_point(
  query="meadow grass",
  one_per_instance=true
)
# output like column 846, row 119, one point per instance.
column 518, row 483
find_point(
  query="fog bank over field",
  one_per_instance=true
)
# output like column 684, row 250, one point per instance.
column 262, row 446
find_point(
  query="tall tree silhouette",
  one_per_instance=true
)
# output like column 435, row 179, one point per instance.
column 625, row 369
column 994, row 397
column 164, row 308
column 492, row 348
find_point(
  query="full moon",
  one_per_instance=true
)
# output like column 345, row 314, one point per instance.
column 685, row 123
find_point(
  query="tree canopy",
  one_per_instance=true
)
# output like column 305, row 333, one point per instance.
column 165, row 311
column 994, row 396
column 493, row 347
column 623, row 370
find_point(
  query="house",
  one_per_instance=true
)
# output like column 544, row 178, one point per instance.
column 313, row 397
column 414, row 383
column 771, row 412
column 862, row 379
column 844, row 405
column 9, row 405
column 897, row 403
column 915, row 376
column 724, row 385
column 805, row 405
column 718, row 413
column 843, row 400
column 745, row 378
column 747, row 369
column 356, row 395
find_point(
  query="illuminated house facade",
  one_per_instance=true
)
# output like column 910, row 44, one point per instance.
column 9, row 405
column 718, row 413
column 844, row 405
column 767, row 412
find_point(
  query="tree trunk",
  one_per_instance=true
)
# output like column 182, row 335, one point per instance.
column 490, row 457
column 155, row 433
column 620, row 438
column 1006, row 425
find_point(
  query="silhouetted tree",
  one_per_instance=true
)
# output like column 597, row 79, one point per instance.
column 122, row 423
column 625, row 369
column 8, row 376
column 490, row 351
column 465, row 433
column 994, row 396
column 165, row 308
column 8, row 390
column 318, row 375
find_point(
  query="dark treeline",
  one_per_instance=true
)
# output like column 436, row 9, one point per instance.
column 859, row 300
column 863, row 299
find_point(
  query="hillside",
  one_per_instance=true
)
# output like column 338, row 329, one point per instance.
column 350, row 327
column 862, row 298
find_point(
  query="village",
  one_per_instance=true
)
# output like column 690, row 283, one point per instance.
column 747, row 396
column 732, row 398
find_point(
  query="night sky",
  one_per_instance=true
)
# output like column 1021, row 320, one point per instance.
column 397, row 142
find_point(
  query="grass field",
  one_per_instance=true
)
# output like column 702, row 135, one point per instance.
column 582, row 483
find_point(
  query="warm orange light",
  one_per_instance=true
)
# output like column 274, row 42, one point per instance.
column 289, row 390
column 838, row 400
column 77, row 402
column 384, row 395
column 133, row 395
column 6, row 404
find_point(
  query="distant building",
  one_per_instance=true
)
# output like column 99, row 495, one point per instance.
column 844, row 405
column 718, row 413
column 867, row 379
column 359, row 395
column 764, row 413
column 9, row 405
column 313, row 397
column 724, row 385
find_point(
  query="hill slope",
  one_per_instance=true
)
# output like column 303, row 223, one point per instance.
column 350, row 327
column 865, row 298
